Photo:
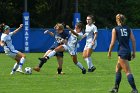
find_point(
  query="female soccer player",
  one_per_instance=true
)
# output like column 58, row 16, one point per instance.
column 91, row 43
column 60, row 37
column 70, row 46
column 6, row 43
column 123, row 34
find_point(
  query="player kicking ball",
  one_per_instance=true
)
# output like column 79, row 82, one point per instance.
column 70, row 46
column 6, row 43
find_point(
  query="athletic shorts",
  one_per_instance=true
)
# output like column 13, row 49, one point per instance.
column 12, row 53
column 71, row 50
column 125, row 56
column 89, row 45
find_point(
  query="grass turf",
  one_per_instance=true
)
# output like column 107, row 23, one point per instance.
column 73, row 81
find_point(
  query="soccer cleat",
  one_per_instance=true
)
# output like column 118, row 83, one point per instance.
column 62, row 73
column 19, row 70
column 36, row 69
column 92, row 69
column 84, row 71
column 114, row 90
column 12, row 73
column 134, row 91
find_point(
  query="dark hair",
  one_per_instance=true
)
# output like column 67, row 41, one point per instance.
column 81, row 26
column 92, row 17
column 2, row 27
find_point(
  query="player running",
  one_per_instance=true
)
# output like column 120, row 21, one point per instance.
column 123, row 35
column 6, row 43
column 70, row 46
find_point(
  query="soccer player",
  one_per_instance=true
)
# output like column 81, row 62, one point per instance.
column 70, row 46
column 6, row 43
column 91, row 43
column 60, row 37
column 123, row 34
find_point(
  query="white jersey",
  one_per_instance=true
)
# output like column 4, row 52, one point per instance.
column 89, row 31
column 8, row 42
column 71, row 45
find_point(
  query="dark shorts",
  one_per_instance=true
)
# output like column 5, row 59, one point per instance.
column 55, row 45
column 126, row 56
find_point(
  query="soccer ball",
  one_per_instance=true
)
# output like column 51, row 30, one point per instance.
column 28, row 70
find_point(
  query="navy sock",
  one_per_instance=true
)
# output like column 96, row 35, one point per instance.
column 41, row 64
column 118, row 79
column 131, row 81
column 59, row 70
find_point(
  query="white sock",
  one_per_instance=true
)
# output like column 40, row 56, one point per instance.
column 89, row 62
column 15, row 67
column 51, row 54
column 22, row 60
column 79, row 65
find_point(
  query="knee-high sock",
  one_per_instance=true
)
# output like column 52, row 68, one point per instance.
column 118, row 79
column 15, row 67
column 51, row 54
column 80, row 65
column 22, row 60
column 89, row 62
column 131, row 81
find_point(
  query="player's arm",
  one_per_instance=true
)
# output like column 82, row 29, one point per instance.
column 112, row 42
column 15, row 31
column 95, row 37
column 49, row 32
column 72, row 31
column 132, row 38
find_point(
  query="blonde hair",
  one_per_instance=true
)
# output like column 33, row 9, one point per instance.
column 120, row 19
column 59, row 26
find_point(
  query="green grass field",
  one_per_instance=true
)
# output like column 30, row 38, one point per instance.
column 47, row 81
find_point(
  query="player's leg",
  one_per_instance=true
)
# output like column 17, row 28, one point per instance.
column 60, row 63
column 20, row 56
column 37, row 68
column 13, row 56
column 49, row 55
column 78, row 64
column 126, row 67
column 87, row 56
column 117, row 78
column 15, row 67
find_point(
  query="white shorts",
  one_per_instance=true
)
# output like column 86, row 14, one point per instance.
column 71, row 50
column 89, row 45
column 12, row 53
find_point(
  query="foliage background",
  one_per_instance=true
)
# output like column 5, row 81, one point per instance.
column 45, row 13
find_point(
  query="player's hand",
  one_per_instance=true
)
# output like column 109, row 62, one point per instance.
column 21, row 25
column 93, row 43
column 109, row 55
column 46, row 31
column 67, row 26
column 133, row 56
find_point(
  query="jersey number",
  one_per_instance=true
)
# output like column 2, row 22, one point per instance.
column 124, row 32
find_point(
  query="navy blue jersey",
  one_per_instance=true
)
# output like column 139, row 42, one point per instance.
column 58, row 41
column 123, row 37
column 60, row 36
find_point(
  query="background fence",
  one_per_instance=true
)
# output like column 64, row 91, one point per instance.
column 40, row 42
